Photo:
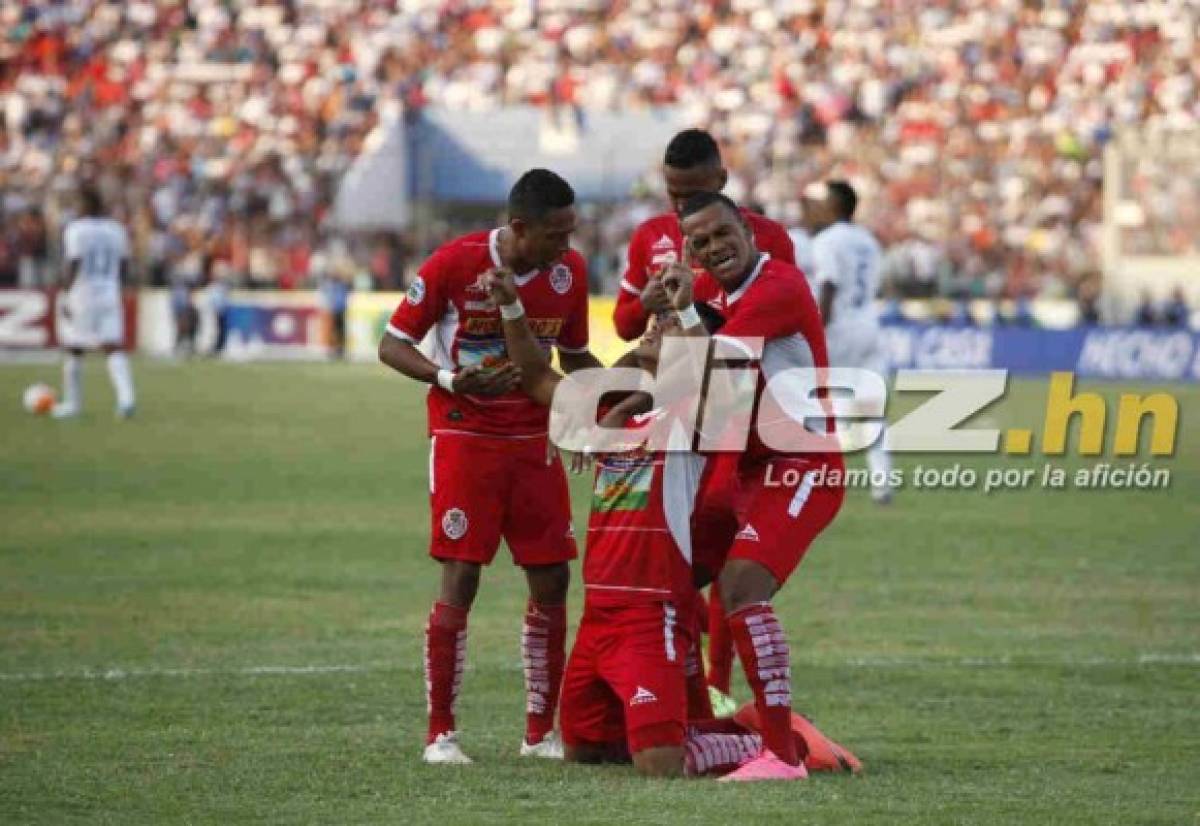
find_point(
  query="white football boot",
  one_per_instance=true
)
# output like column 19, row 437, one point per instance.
column 550, row 747
column 445, row 749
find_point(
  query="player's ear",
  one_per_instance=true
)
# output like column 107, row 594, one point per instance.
column 723, row 178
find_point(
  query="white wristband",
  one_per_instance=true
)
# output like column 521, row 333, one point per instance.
column 511, row 312
column 445, row 380
column 688, row 317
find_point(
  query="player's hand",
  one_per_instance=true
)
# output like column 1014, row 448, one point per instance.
column 580, row 462
column 501, row 285
column 677, row 281
column 654, row 296
column 483, row 381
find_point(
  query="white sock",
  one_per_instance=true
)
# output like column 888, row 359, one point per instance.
column 72, row 382
column 122, row 378
column 879, row 463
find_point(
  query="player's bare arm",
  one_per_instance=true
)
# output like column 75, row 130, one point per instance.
column 538, row 378
column 403, row 357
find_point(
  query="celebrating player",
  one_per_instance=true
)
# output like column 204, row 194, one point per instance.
column 692, row 164
column 845, row 276
column 623, row 694
column 766, row 300
column 96, row 250
column 492, row 472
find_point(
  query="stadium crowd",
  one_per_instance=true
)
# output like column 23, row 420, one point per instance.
column 972, row 128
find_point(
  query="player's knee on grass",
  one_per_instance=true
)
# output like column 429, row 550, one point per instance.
column 460, row 582
column 548, row 583
column 659, row 761
column 744, row 582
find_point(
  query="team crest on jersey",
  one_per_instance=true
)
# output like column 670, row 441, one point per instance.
column 416, row 291
column 454, row 523
column 560, row 278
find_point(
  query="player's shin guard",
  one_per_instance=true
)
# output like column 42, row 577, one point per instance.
column 121, row 375
column 720, row 646
column 763, row 650
column 543, row 652
column 718, row 753
column 445, row 657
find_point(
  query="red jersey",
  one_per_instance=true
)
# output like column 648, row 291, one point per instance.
column 658, row 242
column 776, row 305
column 448, row 298
column 639, row 543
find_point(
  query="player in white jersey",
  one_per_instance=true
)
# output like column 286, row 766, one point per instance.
column 846, row 264
column 96, row 257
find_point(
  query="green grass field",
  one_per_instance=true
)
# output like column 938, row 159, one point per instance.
column 213, row 613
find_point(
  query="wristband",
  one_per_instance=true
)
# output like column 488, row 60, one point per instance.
column 511, row 312
column 688, row 317
column 445, row 380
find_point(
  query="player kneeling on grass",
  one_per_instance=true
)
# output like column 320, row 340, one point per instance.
column 624, row 692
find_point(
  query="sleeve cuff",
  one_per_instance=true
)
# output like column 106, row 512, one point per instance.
column 400, row 334
column 629, row 288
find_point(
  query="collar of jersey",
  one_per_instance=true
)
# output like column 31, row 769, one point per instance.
column 494, row 251
column 740, row 291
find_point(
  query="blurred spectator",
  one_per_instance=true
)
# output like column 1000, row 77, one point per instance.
column 1145, row 316
column 1175, row 312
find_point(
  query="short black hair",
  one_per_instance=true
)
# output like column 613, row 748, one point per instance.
column 692, row 148
column 845, row 199
column 703, row 200
column 710, row 316
column 537, row 193
column 90, row 200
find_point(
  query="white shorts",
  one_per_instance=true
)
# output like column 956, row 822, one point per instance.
column 857, row 345
column 90, row 324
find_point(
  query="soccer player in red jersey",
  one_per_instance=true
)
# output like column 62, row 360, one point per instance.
column 623, row 694
column 692, row 164
column 766, row 300
column 492, row 472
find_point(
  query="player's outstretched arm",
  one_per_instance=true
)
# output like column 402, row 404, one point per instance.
column 538, row 378
column 403, row 357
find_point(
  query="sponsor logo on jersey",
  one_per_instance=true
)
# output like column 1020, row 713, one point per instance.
column 623, row 485
column 666, row 242
column 560, row 278
column 416, row 291
column 748, row 533
column 454, row 523
column 541, row 327
column 642, row 696
column 479, row 285
column 479, row 306
column 662, row 259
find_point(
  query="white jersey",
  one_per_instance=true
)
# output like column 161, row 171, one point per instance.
column 802, row 246
column 848, row 256
column 99, row 245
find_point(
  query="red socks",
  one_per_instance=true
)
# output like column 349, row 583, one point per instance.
column 720, row 646
column 763, row 650
column 543, row 652
column 718, row 753
column 445, row 656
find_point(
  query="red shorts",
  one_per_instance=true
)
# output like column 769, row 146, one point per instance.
column 624, row 682
column 482, row 488
column 783, row 506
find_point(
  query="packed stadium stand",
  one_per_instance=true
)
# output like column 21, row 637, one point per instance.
column 973, row 129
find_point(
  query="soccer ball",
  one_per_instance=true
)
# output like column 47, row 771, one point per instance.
column 38, row 399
